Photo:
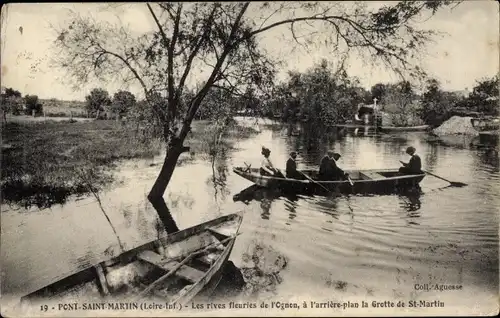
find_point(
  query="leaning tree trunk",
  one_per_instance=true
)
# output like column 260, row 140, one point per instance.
column 155, row 196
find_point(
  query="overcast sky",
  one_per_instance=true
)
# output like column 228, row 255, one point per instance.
column 468, row 52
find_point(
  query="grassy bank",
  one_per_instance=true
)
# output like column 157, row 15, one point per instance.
column 43, row 163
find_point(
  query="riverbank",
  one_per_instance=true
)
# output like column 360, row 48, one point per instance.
column 44, row 163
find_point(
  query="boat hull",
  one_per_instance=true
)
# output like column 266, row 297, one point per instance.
column 119, row 278
column 392, row 184
column 411, row 128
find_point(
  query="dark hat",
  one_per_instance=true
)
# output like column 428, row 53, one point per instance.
column 410, row 150
column 265, row 150
column 293, row 153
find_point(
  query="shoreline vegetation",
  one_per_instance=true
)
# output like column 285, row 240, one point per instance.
column 44, row 163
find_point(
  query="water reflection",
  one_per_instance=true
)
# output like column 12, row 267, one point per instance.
column 329, row 205
column 266, row 197
column 490, row 158
column 291, row 206
column 410, row 201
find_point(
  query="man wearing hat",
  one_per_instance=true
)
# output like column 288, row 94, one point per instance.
column 414, row 166
column 328, row 169
column 291, row 167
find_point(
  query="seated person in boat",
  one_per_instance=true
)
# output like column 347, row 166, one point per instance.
column 328, row 169
column 414, row 166
column 267, row 168
column 291, row 167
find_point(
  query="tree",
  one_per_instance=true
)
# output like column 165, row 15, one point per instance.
column 325, row 96
column 484, row 96
column 122, row 102
column 10, row 92
column 222, row 38
column 96, row 101
column 11, row 101
column 400, row 102
column 378, row 91
column 32, row 104
column 436, row 105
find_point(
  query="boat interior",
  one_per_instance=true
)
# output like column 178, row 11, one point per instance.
column 185, row 256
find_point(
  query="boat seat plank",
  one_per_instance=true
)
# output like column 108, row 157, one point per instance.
column 227, row 229
column 103, row 283
column 208, row 259
column 371, row 175
column 186, row 272
column 188, row 245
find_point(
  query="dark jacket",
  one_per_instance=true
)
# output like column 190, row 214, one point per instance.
column 291, row 170
column 328, row 170
column 415, row 164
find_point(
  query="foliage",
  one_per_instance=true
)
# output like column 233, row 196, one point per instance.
column 10, row 92
column 436, row 104
column 96, row 101
column 218, row 105
column 221, row 37
column 401, row 103
column 322, row 96
column 378, row 91
column 11, row 102
column 484, row 97
column 32, row 104
column 122, row 102
column 221, row 41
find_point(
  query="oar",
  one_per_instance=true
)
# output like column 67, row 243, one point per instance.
column 348, row 205
column 350, row 181
column 313, row 181
column 452, row 183
column 179, row 265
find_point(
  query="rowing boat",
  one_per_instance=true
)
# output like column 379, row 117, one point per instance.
column 172, row 269
column 402, row 128
column 375, row 181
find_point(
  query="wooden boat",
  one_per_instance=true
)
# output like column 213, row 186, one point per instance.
column 376, row 181
column 410, row 128
column 172, row 269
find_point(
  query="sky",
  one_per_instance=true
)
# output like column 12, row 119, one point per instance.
column 468, row 51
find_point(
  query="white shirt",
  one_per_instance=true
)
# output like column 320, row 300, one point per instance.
column 267, row 165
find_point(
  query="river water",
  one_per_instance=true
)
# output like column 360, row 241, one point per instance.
column 294, row 248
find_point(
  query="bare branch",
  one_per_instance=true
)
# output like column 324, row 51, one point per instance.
column 195, row 102
column 194, row 52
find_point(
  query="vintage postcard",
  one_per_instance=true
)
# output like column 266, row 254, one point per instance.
column 332, row 158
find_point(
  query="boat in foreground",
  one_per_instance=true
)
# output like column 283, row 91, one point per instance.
column 172, row 269
column 376, row 181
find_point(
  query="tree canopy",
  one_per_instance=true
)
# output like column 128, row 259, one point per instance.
column 216, row 45
column 96, row 101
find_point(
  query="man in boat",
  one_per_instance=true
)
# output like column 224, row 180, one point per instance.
column 291, row 167
column 266, row 167
column 414, row 166
column 328, row 169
